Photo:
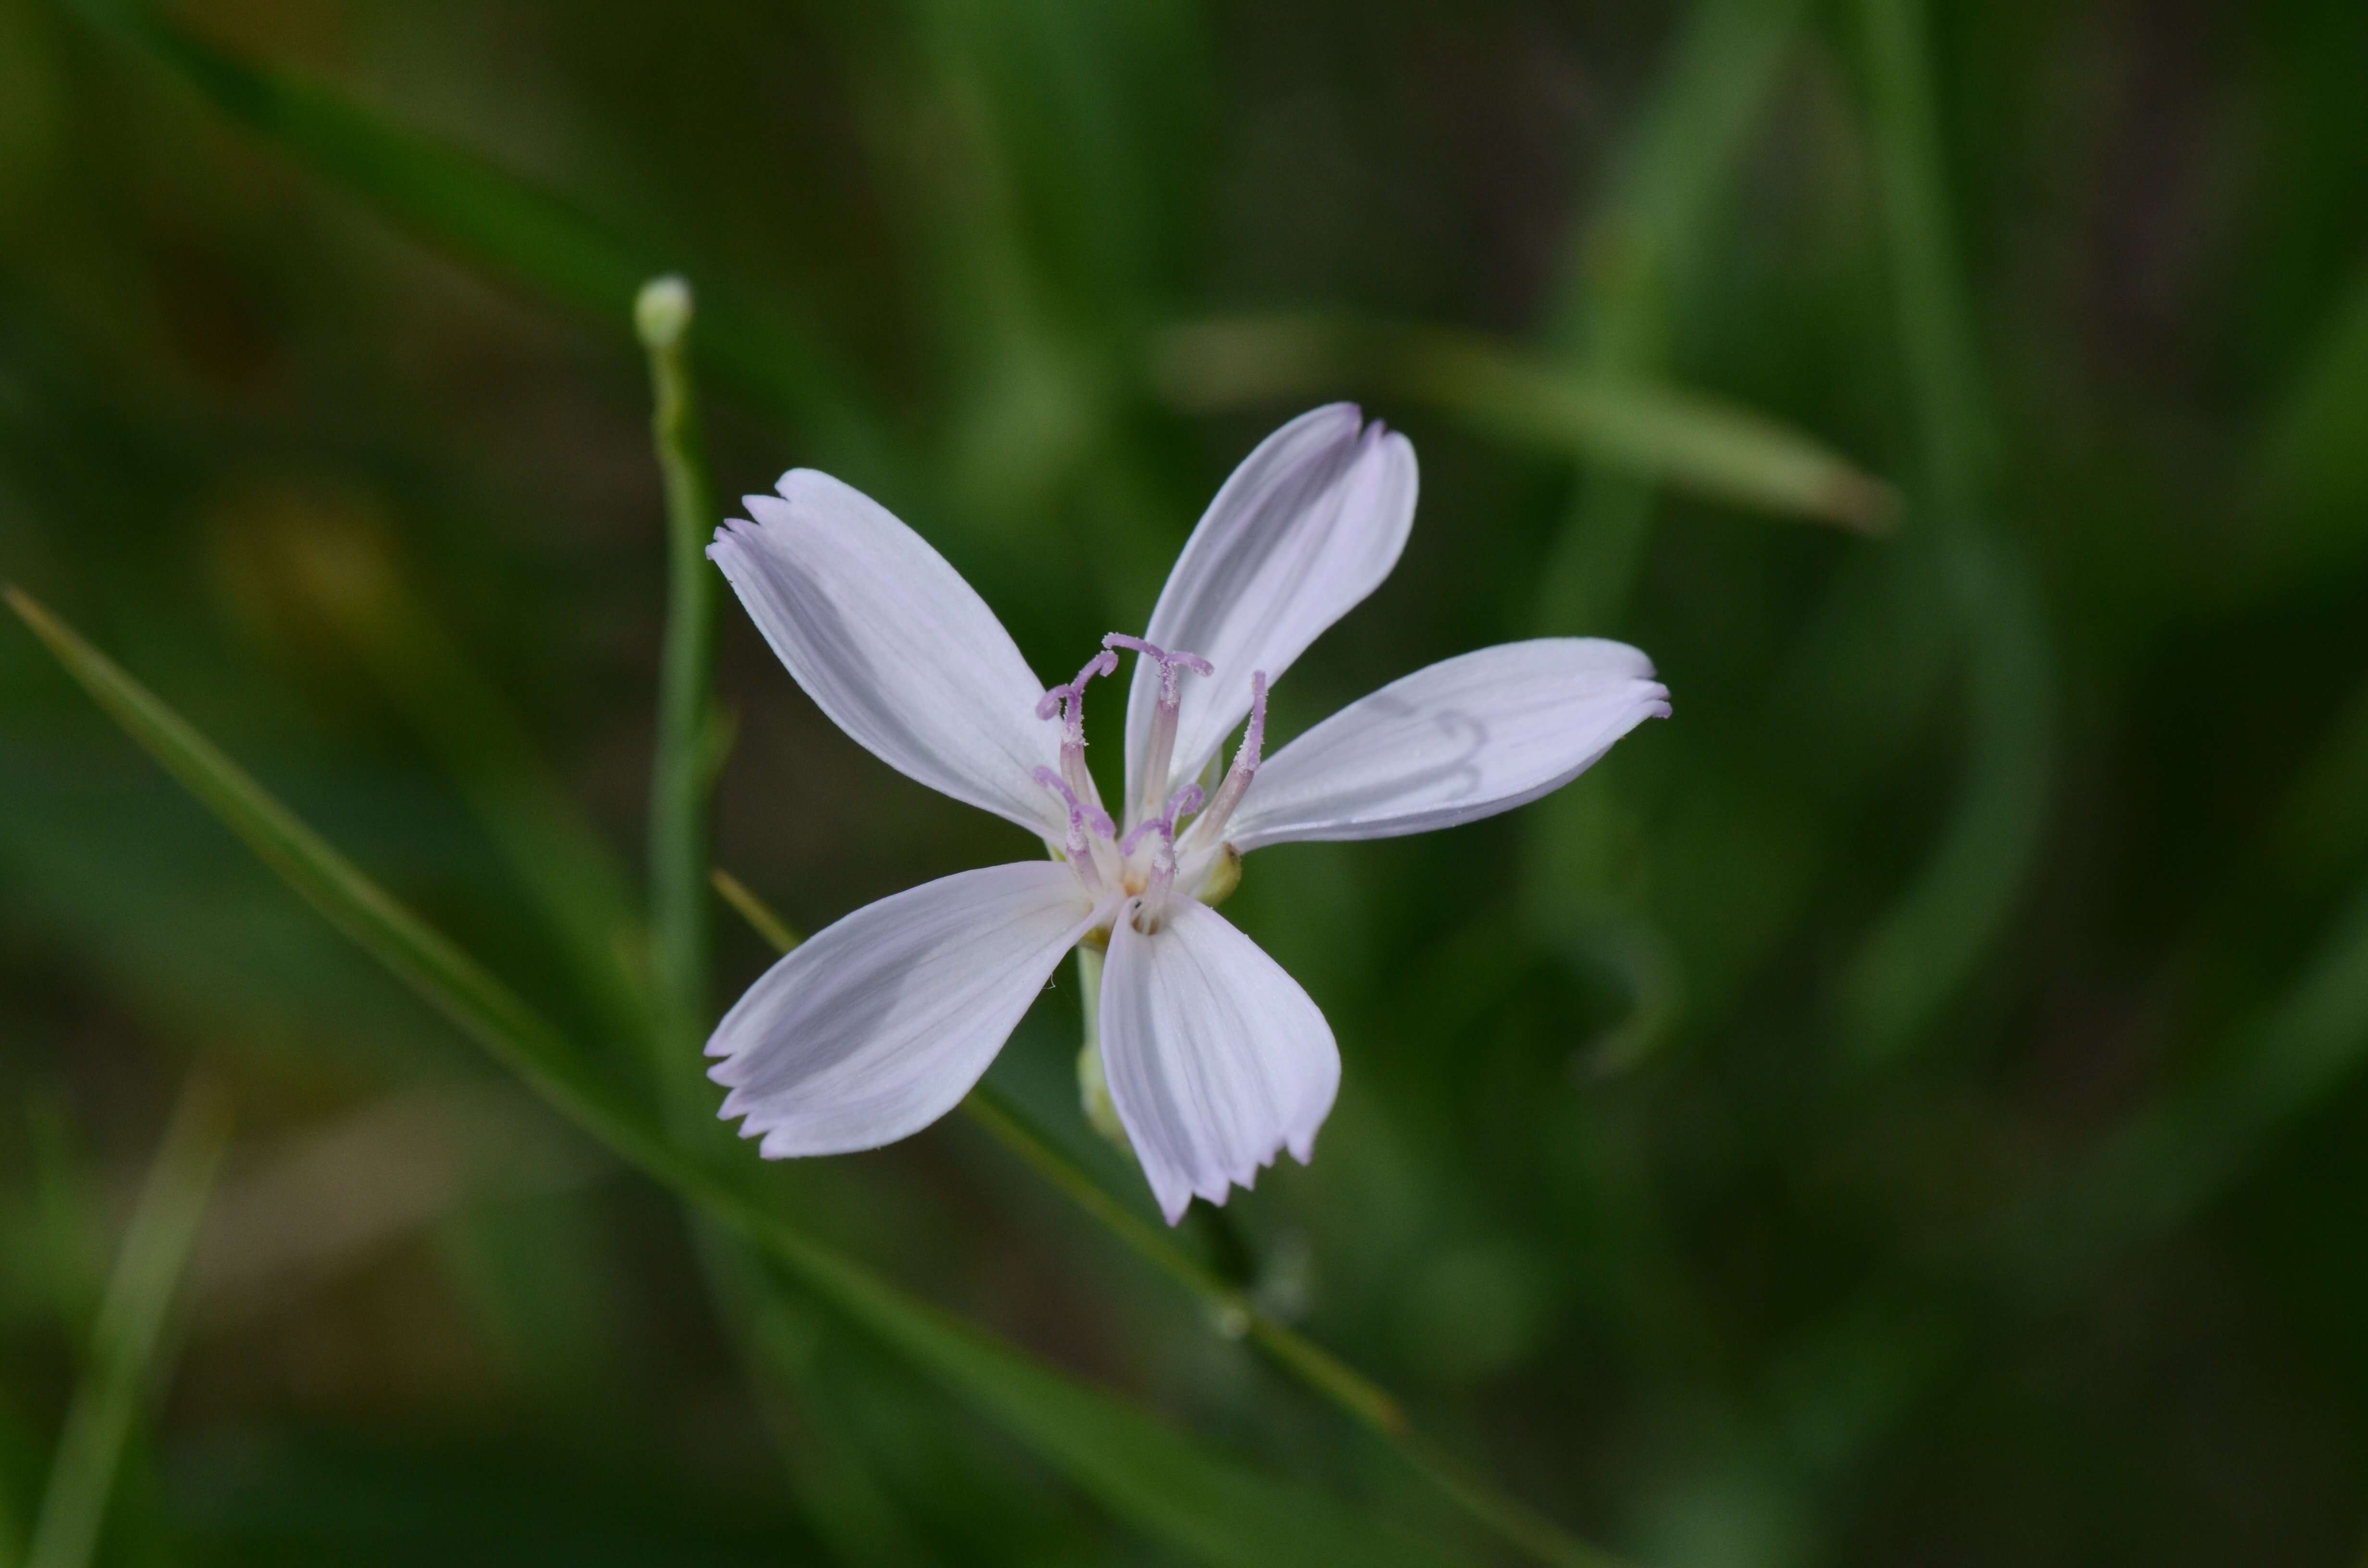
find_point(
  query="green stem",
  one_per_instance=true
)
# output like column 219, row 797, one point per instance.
column 1093, row 1084
column 684, row 773
column 682, row 784
column 1236, row 1315
column 753, row 910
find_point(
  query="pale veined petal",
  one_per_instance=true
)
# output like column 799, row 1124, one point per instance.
column 1308, row 525
column 874, row 1029
column 1216, row 1060
column 892, row 644
column 1462, row 739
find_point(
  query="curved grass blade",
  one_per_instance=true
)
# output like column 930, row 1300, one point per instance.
column 505, row 226
column 1624, row 272
column 130, row 1327
column 2157, row 1170
column 1147, row 1473
column 1509, row 392
column 349, row 577
column 1924, row 950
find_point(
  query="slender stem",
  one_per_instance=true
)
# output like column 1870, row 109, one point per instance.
column 1093, row 1084
column 130, row 1327
column 682, row 839
column 684, row 773
column 752, row 909
column 1238, row 1315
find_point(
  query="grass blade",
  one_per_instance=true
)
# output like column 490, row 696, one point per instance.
column 1512, row 393
column 130, row 1327
column 1147, row 1473
column 2157, row 1171
column 351, row 578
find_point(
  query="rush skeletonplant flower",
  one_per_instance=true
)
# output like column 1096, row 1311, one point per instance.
column 1215, row 1059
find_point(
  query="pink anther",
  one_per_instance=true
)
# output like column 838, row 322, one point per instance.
column 1069, row 701
column 1170, row 662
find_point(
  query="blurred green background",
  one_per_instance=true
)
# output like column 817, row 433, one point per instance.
column 1907, row 1109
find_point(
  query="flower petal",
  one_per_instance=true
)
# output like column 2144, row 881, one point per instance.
column 892, row 644
column 1311, row 523
column 874, row 1029
column 1466, row 738
column 1217, row 1059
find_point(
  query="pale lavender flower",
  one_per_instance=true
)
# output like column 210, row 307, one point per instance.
column 1216, row 1060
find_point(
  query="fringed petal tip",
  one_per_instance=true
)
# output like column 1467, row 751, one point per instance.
column 1217, row 1060
column 890, row 641
column 877, row 1026
column 1174, row 1201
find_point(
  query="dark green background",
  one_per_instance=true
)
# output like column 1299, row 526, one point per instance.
column 1903, row 1109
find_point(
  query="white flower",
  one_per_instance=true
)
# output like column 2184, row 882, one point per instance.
column 1216, row 1060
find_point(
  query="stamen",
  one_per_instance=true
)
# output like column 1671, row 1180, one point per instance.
column 1082, row 817
column 1069, row 702
column 1163, row 860
column 1161, row 753
column 1212, row 822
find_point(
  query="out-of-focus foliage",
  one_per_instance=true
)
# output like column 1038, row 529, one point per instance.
column 1906, row 1107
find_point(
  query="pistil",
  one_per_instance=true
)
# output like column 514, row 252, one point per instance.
column 1160, row 753
column 1081, row 848
column 1185, row 801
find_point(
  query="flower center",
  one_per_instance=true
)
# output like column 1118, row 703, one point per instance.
column 1161, row 829
column 1161, row 856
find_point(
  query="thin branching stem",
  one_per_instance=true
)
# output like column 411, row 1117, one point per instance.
column 1150, row 1474
column 1236, row 1314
